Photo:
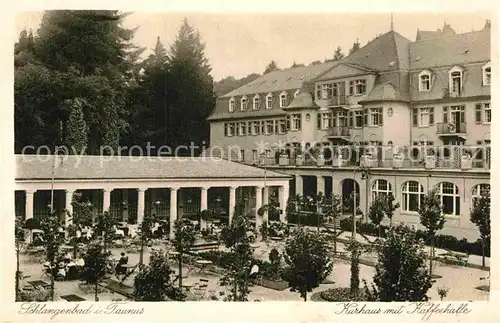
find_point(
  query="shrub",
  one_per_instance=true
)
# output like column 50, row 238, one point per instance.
column 343, row 294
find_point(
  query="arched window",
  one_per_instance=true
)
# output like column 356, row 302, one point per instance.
column 450, row 200
column 381, row 186
column 283, row 99
column 412, row 195
column 256, row 102
column 244, row 101
column 269, row 101
column 479, row 190
column 232, row 103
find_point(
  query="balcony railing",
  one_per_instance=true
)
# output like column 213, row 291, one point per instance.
column 339, row 131
column 429, row 162
column 337, row 100
column 450, row 128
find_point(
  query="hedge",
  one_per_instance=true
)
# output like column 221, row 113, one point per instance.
column 441, row 241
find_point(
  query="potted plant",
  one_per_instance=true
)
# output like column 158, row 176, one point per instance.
column 205, row 216
column 397, row 160
column 283, row 159
column 299, row 159
column 466, row 161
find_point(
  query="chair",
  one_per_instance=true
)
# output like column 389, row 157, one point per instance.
column 45, row 271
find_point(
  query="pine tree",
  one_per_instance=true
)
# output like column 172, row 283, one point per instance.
column 272, row 66
column 77, row 130
column 189, row 88
column 338, row 55
column 296, row 65
column 355, row 46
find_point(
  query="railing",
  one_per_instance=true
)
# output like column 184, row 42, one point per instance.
column 339, row 131
column 450, row 128
column 337, row 100
column 437, row 163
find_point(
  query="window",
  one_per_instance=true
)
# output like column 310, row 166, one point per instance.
column 487, row 113
column 269, row 127
column 326, row 91
column 424, row 81
column 375, row 116
column 487, row 74
column 295, row 122
column 412, row 195
column 242, row 129
column 232, row 103
column 244, row 102
column 357, row 87
column 326, row 121
column 426, row 117
column 231, row 130
column 365, row 117
column 282, row 126
column 242, row 155
column 358, row 118
column 276, row 126
column 225, row 129
column 479, row 112
column 415, row 117
column 456, row 82
column 269, row 101
column 450, row 200
column 478, row 191
column 256, row 102
column 318, row 91
column 283, row 101
column 335, row 89
column 256, row 128
column 381, row 186
column 445, row 114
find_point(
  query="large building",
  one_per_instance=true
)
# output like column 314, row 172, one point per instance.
column 395, row 116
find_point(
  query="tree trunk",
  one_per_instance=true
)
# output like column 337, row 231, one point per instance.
column 180, row 270
column 335, row 235
column 305, row 297
column 142, row 252
column 390, row 221
column 53, row 272
column 379, row 230
column 17, row 271
column 432, row 255
column 96, row 291
column 74, row 248
column 483, row 253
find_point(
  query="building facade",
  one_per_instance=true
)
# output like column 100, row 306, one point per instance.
column 395, row 116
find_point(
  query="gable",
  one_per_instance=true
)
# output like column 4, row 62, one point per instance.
column 342, row 70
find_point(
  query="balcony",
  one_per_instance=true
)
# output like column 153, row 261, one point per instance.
column 339, row 132
column 337, row 101
column 450, row 129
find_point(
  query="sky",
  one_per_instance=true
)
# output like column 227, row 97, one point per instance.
column 239, row 44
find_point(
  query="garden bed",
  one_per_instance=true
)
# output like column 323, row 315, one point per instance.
column 279, row 285
column 341, row 294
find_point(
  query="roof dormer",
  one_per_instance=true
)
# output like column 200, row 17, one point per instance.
column 425, row 80
column 283, row 99
column 244, row 102
column 486, row 74
column 232, row 104
column 456, row 80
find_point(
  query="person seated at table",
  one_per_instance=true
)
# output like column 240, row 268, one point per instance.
column 120, row 269
column 61, row 271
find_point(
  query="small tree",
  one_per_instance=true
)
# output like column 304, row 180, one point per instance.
column 94, row 269
column 432, row 218
column 152, row 283
column 332, row 209
column 391, row 207
column 401, row 274
column 146, row 234
column 81, row 217
column 272, row 66
column 480, row 216
column 184, row 239
column 377, row 211
column 355, row 248
column 19, row 239
column 105, row 228
column 53, row 239
column 235, row 238
column 295, row 207
column 307, row 256
column 318, row 202
column 275, row 260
